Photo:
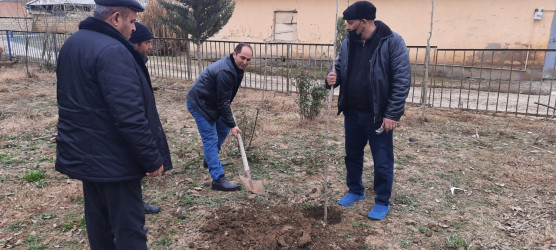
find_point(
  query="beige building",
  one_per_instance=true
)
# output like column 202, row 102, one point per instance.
column 13, row 16
column 474, row 24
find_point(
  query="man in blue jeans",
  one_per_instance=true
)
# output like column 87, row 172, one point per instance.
column 374, row 72
column 209, row 101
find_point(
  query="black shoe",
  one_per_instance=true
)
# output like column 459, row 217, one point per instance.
column 224, row 163
column 150, row 209
column 223, row 184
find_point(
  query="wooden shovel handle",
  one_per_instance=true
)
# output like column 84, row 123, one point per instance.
column 243, row 156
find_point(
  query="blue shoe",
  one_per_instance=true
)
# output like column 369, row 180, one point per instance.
column 379, row 211
column 350, row 199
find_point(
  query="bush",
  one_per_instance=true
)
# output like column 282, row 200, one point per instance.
column 246, row 124
column 311, row 96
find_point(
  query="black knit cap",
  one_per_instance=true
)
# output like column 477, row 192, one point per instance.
column 132, row 4
column 360, row 10
column 141, row 34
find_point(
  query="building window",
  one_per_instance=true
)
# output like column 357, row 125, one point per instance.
column 285, row 25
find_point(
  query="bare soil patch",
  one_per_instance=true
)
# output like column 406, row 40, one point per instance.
column 462, row 179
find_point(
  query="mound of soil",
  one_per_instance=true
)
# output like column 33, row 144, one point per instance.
column 275, row 227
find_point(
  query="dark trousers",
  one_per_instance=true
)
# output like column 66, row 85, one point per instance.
column 114, row 215
column 360, row 129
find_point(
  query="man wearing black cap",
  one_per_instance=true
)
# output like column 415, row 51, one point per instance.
column 142, row 38
column 109, row 132
column 373, row 69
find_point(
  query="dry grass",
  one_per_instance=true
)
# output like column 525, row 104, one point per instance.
column 504, row 164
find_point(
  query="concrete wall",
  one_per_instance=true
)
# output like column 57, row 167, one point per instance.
column 57, row 24
column 42, row 23
column 457, row 24
column 14, row 23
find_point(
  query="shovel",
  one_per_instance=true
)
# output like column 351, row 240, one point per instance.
column 252, row 186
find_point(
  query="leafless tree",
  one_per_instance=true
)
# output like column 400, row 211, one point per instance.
column 427, row 60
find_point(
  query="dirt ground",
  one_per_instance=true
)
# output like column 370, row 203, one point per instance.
column 462, row 180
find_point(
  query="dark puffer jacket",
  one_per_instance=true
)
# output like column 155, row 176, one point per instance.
column 108, row 128
column 390, row 74
column 215, row 89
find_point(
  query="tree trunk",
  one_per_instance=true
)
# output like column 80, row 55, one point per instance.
column 188, row 58
column 427, row 60
column 199, row 59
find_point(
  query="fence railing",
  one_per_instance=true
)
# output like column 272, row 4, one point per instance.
column 496, row 80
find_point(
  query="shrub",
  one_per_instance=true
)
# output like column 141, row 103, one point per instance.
column 311, row 96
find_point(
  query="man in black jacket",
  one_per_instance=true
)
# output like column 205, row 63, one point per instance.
column 374, row 72
column 209, row 101
column 142, row 38
column 109, row 131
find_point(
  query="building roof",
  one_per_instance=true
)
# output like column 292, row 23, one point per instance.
column 12, row 9
column 61, row 2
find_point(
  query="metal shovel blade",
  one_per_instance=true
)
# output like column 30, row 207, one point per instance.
column 252, row 186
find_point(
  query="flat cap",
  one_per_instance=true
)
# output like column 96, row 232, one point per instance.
column 132, row 4
column 141, row 34
column 360, row 10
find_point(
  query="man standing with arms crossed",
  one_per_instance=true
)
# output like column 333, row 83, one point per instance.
column 109, row 132
column 374, row 74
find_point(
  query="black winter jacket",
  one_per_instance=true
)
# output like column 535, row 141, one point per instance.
column 390, row 74
column 215, row 89
column 108, row 128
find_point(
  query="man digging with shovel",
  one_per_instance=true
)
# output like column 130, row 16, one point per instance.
column 209, row 101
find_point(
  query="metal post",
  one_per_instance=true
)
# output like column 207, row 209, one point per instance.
column 9, row 46
column 55, row 48
column 288, row 70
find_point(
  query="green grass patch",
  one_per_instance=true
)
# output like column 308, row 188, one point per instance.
column 405, row 159
column 405, row 199
column 45, row 216
column 33, row 176
column 38, row 246
column 187, row 200
column 7, row 159
column 16, row 226
column 455, row 241
column 405, row 243
column 73, row 222
column 308, row 205
column 32, row 239
column 162, row 242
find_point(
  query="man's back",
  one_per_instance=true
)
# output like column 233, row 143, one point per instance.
column 103, row 131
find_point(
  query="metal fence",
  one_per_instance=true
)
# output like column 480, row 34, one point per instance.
column 38, row 47
column 499, row 80
column 509, row 81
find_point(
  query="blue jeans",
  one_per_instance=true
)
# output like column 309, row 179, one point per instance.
column 212, row 135
column 360, row 129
